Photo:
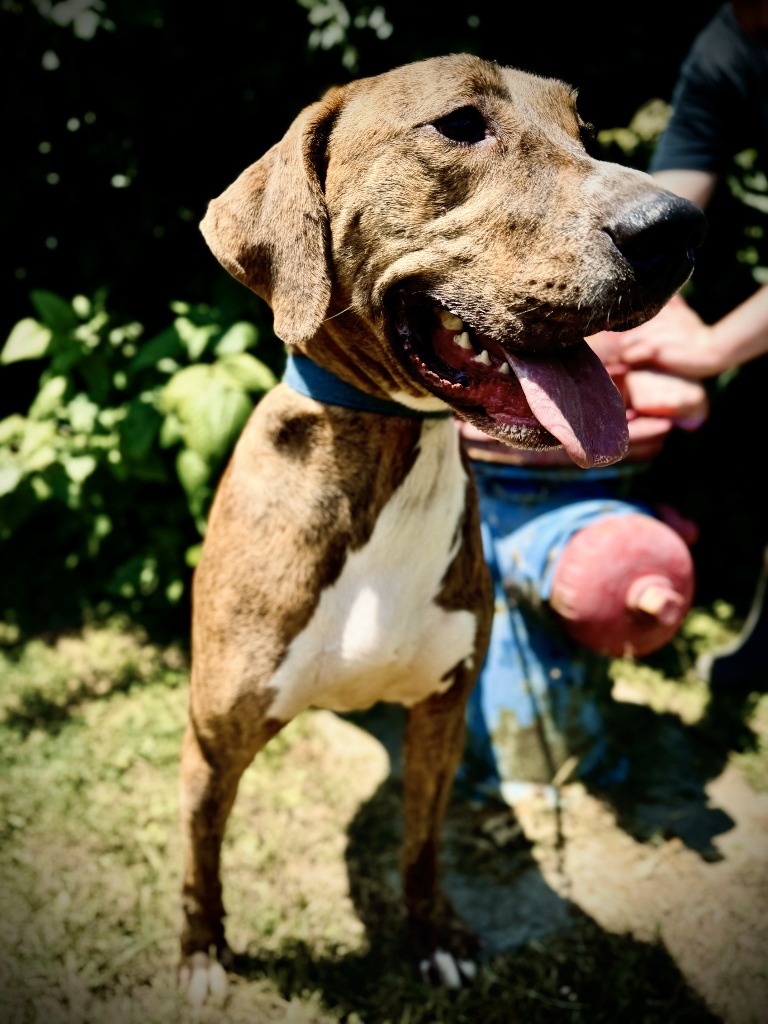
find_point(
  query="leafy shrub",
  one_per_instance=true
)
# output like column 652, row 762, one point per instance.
column 106, row 480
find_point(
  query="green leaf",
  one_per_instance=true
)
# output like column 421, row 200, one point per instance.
column 79, row 467
column 218, row 415
column 68, row 351
column 54, row 311
column 195, row 339
column 41, row 458
column 192, row 555
column 97, row 376
column 17, row 507
column 240, row 336
column 37, row 434
column 179, row 393
column 211, row 411
column 193, row 470
column 54, row 483
column 139, row 430
column 81, row 304
column 247, row 372
column 83, row 414
column 101, row 528
column 12, row 428
column 171, row 431
column 165, row 345
column 28, row 340
column 10, row 475
column 49, row 398
column 174, row 591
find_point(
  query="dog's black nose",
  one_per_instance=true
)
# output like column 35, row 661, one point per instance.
column 658, row 236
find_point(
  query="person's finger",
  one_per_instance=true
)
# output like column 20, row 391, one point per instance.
column 638, row 351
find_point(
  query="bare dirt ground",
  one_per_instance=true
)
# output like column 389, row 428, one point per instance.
column 710, row 915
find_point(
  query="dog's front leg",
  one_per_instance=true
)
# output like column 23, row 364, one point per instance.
column 211, row 769
column 208, row 792
column 434, row 743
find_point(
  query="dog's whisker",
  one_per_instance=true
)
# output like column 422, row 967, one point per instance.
column 340, row 313
column 530, row 309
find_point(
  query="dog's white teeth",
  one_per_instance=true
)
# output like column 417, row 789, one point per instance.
column 462, row 340
column 450, row 321
column 483, row 358
column 504, row 368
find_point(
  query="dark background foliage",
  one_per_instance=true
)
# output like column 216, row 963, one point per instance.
column 119, row 128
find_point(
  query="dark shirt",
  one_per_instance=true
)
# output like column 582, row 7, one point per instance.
column 720, row 101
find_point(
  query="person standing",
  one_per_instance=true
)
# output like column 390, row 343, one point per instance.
column 719, row 109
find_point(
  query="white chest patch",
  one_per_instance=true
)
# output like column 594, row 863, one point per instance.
column 377, row 633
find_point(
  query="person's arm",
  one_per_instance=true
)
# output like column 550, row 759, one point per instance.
column 742, row 334
column 679, row 341
column 697, row 186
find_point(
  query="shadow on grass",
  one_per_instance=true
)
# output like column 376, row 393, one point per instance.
column 36, row 710
column 578, row 973
column 47, row 688
column 671, row 764
column 586, row 977
column 544, row 958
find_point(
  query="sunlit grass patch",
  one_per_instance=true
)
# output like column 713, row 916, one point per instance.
column 753, row 761
column 90, row 866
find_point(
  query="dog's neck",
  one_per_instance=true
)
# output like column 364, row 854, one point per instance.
column 312, row 380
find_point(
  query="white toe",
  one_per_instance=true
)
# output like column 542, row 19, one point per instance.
column 447, row 969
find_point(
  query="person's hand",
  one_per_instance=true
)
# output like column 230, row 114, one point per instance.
column 661, row 394
column 676, row 340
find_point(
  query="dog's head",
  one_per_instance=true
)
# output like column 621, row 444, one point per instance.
column 439, row 235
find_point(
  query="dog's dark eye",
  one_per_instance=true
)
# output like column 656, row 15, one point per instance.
column 466, row 125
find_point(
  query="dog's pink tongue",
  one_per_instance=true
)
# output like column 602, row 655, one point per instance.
column 573, row 396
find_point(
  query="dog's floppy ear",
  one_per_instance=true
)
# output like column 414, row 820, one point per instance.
column 270, row 230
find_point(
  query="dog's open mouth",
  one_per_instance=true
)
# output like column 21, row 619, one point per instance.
column 528, row 401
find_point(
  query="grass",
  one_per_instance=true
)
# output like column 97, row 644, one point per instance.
column 90, row 856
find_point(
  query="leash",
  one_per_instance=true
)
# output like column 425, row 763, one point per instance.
column 313, row 381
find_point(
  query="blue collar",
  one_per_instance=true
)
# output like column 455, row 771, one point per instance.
column 306, row 377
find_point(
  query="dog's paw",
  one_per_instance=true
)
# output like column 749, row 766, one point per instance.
column 448, row 971
column 203, row 979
